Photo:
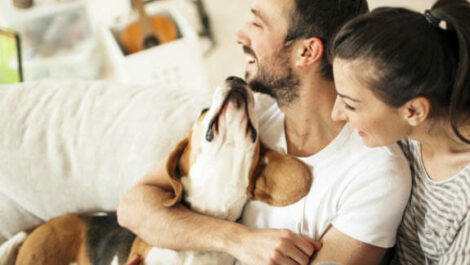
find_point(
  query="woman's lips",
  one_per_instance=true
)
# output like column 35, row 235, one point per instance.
column 362, row 134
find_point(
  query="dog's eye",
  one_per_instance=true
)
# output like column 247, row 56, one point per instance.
column 204, row 111
column 210, row 134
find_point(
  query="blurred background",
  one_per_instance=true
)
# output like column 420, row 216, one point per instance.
column 179, row 43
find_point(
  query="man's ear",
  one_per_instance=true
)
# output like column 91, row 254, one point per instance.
column 309, row 51
column 176, row 169
column 416, row 110
column 279, row 180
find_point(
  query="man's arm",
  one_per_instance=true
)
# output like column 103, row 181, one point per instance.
column 370, row 211
column 142, row 212
column 338, row 248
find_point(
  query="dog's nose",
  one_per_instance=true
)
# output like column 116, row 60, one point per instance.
column 235, row 79
column 237, row 92
column 238, row 97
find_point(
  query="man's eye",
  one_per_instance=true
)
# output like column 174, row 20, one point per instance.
column 256, row 24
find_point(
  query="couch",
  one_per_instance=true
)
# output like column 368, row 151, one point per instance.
column 79, row 146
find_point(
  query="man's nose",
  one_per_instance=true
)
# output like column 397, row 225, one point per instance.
column 338, row 113
column 242, row 36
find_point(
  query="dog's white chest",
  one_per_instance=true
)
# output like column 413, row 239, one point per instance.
column 218, row 187
column 209, row 191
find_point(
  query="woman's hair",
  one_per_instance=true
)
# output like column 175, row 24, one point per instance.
column 414, row 55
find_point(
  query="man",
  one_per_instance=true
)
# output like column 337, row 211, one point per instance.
column 358, row 195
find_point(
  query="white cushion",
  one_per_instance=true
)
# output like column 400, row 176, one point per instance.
column 79, row 146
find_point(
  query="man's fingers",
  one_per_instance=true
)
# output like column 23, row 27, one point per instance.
column 135, row 260
column 316, row 244
column 283, row 260
column 296, row 254
column 304, row 245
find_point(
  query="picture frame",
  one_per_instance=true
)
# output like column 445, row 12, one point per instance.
column 11, row 70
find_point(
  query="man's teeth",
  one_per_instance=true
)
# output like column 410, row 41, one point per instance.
column 250, row 59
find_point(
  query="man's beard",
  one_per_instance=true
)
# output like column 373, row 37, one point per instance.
column 282, row 87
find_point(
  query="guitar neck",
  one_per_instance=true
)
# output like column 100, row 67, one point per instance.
column 144, row 19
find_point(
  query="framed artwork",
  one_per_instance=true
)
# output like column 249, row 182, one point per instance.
column 10, row 58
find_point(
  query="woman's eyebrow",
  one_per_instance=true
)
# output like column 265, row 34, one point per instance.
column 348, row 97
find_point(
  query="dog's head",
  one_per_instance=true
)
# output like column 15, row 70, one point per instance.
column 227, row 134
column 229, row 123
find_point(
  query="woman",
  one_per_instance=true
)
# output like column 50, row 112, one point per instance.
column 400, row 74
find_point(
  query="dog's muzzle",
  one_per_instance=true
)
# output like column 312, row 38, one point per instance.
column 238, row 91
column 238, row 94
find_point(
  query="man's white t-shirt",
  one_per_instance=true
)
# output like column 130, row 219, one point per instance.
column 361, row 191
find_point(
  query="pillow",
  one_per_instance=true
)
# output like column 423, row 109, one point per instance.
column 79, row 146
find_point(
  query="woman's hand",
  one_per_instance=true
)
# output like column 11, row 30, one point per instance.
column 274, row 246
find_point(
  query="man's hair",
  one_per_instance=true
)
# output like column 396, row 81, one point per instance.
column 321, row 19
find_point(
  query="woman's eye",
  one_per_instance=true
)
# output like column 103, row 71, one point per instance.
column 349, row 107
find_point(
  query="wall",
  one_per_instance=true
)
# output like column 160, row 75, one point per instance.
column 226, row 16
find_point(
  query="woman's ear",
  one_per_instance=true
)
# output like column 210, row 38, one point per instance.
column 309, row 51
column 279, row 179
column 416, row 110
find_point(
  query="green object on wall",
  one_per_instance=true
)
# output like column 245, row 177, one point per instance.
column 10, row 58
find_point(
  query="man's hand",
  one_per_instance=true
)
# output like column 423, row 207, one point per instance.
column 274, row 246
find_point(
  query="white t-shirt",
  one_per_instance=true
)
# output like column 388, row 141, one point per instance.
column 361, row 191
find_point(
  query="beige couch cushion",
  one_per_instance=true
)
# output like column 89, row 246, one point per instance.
column 79, row 146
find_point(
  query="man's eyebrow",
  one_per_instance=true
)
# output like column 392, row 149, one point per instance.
column 348, row 97
column 259, row 15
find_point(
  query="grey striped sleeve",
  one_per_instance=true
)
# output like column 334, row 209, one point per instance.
column 435, row 229
column 408, row 251
column 459, row 251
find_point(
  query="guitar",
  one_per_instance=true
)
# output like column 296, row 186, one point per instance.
column 147, row 31
column 23, row 4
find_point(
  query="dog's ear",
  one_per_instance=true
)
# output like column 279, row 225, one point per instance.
column 176, row 168
column 279, row 179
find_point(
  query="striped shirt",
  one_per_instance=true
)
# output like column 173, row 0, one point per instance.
column 436, row 225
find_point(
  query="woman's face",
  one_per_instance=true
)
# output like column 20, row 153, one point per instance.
column 377, row 123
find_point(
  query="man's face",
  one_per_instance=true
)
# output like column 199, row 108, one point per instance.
column 268, row 67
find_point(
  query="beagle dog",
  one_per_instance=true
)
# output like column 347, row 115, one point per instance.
column 213, row 171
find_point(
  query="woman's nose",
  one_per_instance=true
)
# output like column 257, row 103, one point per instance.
column 338, row 113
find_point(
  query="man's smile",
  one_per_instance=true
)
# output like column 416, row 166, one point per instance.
column 249, row 54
